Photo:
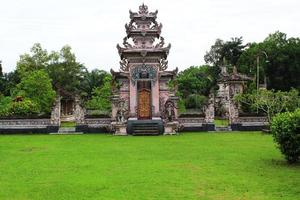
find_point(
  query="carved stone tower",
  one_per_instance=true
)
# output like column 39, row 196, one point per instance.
column 141, row 85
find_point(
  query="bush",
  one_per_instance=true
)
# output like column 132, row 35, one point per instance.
column 285, row 128
column 10, row 108
column 37, row 87
column 195, row 101
column 5, row 105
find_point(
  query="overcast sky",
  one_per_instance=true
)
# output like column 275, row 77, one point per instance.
column 93, row 27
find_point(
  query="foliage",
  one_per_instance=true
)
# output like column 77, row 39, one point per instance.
column 92, row 80
column 197, row 80
column 37, row 87
column 195, row 101
column 5, row 105
column 8, row 82
column 271, row 102
column 37, row 59
column 101, row 96
column 225, row 50
column 65, row 72
column 286, row 131
column 9, row 108
column 25, row 107
column 282, row 65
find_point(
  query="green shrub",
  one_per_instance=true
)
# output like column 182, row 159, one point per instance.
column 285, row 128
column 5, row 106
column 9, row 108
column 24, row 108
column 195, row 101
column 37, row 87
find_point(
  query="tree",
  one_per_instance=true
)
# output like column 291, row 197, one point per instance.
column 66, row 73
column 92, row 80
column 37, row 59
column 197, row 80
column 228, row 50
column 8, row 82
column 37, row 87
column 271, row 102
column 101, row 96
column 282, row 65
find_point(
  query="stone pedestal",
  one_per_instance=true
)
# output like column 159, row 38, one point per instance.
column 171, row 128
column 120, row 128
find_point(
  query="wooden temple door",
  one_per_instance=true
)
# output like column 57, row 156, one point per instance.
column 144, row 104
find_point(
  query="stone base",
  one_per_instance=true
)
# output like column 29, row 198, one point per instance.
column 120, row 128
column 171, row 128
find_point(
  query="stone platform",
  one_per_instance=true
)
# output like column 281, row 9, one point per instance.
column 145, row 127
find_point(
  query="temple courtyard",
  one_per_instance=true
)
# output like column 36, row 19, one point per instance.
column 233, row 165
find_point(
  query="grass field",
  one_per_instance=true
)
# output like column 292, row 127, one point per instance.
column 207, row 166
column 221, row 122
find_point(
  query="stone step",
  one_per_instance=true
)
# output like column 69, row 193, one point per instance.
column 66, row 129
column 69, row 133
column 145, row 129
column 223, row 128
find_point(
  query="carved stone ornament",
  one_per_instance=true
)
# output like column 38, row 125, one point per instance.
column 163, row 64
column 122, row 111
column 144, row 69
column 125, row 43
column 124, row 64
column 143, row 9
column 161, row 43
column 169, row 110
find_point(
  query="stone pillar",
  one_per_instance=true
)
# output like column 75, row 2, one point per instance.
column 233, row 112
column 79, row 111
column 133, row 99
column 155, row 98
column 115, row 102
column 210, row 110
column 55, row 113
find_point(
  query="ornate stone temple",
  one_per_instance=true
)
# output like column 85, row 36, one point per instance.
column 143, row 102
column 230, row 84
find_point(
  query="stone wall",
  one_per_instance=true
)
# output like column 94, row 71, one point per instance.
column 195, row 124
column 95, row 125
column 27, row 126
column 250, row 124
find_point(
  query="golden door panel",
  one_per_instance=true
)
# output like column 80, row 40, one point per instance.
column 144, row 111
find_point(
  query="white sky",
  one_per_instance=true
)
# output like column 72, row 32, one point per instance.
column 93, row 27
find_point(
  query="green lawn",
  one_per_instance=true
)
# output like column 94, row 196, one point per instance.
column 67, row 124
column 221, row 122
column 208, row 166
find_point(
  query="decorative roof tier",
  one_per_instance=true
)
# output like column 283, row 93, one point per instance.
column 143, row 36
column 234, row 76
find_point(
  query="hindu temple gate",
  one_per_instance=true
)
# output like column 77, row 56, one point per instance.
column 142, row 100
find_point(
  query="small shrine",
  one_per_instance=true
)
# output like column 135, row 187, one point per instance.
column 230, row 84
column 142, row 101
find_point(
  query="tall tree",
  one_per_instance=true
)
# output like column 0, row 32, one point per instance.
column 37, row 59
column 92, row 80
column 282, row 65
column 66, row 73
column 225, row 50
column 37, row 87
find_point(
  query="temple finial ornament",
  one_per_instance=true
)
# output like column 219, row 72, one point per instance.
column 143, row 9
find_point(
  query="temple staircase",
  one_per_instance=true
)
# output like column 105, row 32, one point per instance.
column 223, row 128
column 145, row 127
column 67, row 131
